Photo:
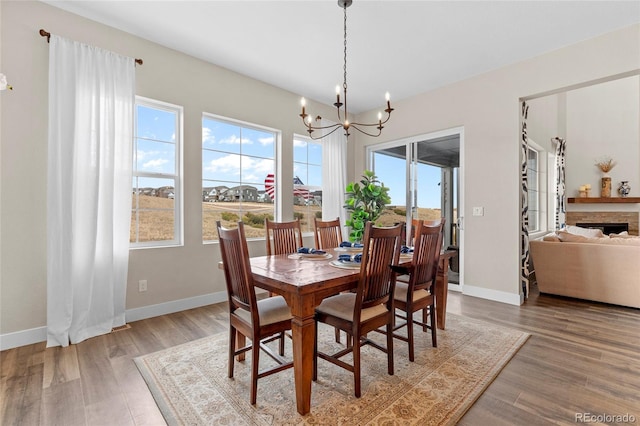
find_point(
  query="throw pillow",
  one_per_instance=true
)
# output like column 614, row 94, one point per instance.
column 567, row 237
column 585, row 232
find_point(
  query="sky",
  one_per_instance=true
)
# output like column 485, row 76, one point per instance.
column 232, row 153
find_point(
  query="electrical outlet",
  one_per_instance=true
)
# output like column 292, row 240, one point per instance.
column 478, row 211
column 142, row 285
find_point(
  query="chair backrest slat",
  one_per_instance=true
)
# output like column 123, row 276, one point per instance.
column 377, row 279
column 237, row 268
column 328, row 233
column 426, row 253
column 283, row 237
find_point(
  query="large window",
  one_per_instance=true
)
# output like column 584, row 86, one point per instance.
column 238, row 175
column 307, row 181
column 157, row 195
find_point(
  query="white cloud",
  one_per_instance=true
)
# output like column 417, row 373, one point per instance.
column 207, row 137
column 253, row 169
column 297, row 143
column 235, row 140
column 267, row 141
column 155, row 164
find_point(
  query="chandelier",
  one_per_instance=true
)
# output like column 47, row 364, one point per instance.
column 343, row 120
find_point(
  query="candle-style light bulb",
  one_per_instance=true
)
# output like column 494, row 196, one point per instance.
column 379, row 116
column 303, row 101
column 337, row 89
column 387, row 97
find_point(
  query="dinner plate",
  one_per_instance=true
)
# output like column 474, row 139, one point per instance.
column 310, row 256
column 349, row 249
column 345, row 265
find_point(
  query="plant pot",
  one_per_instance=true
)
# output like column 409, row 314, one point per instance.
column 605, row 188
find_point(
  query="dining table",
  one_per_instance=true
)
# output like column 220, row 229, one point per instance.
column 304, row 281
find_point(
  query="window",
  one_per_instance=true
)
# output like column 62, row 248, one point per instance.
column 533, row 182
column 307, row 181
column 238, row 169
column 157, row 194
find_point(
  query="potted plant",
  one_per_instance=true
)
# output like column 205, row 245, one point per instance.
column 365, row 201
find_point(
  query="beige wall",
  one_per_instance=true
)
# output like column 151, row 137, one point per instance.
column 487, row 107
column 173, row 273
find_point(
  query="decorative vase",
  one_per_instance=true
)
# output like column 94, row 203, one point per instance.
column 624, row 188
column 605, row 189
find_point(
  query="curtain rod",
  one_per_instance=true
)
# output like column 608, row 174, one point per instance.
column 46, row 34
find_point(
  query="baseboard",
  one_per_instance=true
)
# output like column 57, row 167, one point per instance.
column 151, row 311
column 495, row 295
column 39, row 334
column 22, row 338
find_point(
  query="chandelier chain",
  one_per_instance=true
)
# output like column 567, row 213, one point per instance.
column 344, row 84
column 341, row 104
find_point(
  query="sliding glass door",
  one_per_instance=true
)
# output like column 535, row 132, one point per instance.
column 423, row 177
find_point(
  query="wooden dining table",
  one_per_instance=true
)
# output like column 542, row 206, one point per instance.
column 304, row 283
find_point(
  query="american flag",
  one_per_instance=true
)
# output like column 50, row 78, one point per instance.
column 269, row 186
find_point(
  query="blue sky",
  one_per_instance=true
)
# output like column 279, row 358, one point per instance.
column 392, row 172
column 232, row 153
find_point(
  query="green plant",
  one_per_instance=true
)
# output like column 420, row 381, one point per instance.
column 256, row 220
column 228, row 216
column 298, row 215
column 365, row 200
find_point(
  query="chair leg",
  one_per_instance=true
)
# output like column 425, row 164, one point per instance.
column 315, row 353
column 337, row 332
column 232, row 347
column 281, row 343
column 432, row 314
column 390, row 348
column 410, row 335
column 255, row 357
column 356, row 367
column 425, row 315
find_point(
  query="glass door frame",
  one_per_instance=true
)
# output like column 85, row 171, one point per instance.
column 410, row 143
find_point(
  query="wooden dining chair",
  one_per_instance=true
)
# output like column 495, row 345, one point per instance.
column 418, row 293
column 369, row 308
column 327, row 234
column 283, row 237
column 261, row 321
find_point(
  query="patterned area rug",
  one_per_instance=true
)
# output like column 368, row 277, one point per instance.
column 190, row 384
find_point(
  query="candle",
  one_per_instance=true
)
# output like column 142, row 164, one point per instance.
column 587, row 186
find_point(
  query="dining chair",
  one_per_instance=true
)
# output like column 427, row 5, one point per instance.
column 262, row 321
column 328, row 233
column 418, row 293
column 283, row 237
column 369, row 308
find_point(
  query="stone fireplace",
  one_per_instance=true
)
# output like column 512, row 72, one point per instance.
column 606, row 220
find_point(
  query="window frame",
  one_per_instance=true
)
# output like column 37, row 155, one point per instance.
column 177, row 176
column 277, row 134
column 306, row 163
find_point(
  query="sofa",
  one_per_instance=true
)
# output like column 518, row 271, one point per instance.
column 575, row 263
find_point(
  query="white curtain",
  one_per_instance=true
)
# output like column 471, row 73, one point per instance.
column 334, row 176
column 91, row 109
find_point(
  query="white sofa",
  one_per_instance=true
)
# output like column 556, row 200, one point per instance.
column 601, row 269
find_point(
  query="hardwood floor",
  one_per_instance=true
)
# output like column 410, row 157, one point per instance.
column 582, row 357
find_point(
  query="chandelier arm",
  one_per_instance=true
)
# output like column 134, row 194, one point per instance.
column 308, row 126
column 373, row 124
column 337, row 126
column 367, row 133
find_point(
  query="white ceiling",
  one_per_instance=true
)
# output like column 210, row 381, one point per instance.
column 404, row 47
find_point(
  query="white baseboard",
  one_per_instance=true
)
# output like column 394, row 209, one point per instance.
column 151, row 311
column 495, row 295
column 39, row 334
column 22, row 338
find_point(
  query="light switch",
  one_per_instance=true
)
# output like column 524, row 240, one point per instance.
column 478, row 211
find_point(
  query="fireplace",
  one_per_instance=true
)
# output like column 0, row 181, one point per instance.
column 606, row 228
column 595, row 219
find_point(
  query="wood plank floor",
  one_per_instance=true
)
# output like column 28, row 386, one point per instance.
column 582, row 357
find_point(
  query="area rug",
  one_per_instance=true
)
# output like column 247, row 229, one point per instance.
column 190, row 384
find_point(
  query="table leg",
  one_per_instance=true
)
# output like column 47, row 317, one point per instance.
column 303, row 332
column 442, row 284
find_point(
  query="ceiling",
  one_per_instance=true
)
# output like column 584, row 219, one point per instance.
column 404, row 47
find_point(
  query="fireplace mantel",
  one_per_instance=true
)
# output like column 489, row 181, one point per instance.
column 596, row 200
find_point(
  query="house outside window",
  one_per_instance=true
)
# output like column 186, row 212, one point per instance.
column 156, row 218
column 307, row 181
column 238, row 169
